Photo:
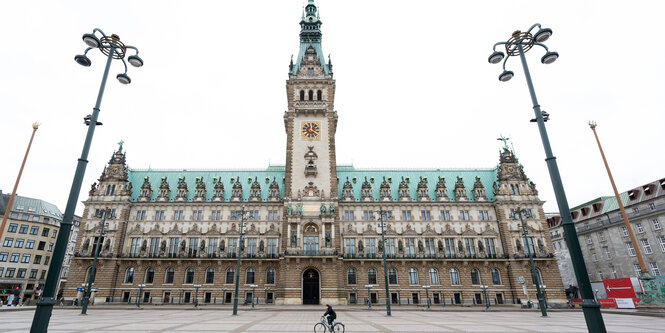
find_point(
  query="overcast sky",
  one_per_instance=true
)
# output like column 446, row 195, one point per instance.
column 414, row 88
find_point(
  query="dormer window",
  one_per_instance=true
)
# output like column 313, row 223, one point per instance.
column 585, row 211
column 647, row 190
column 596, row 207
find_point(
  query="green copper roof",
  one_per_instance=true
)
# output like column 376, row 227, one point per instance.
column 32, row 206
column 310, row 35
column 412, row 176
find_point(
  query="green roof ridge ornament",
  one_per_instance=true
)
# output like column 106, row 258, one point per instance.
column 504, row 139
column 120, row 143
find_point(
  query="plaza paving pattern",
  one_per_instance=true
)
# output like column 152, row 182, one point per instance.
column 356, row 320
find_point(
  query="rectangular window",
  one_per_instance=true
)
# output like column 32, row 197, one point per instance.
column 656, row 224
column 54, row 233
column 410, row 247
column 594, row 256
column 647, row 246
column 484, row 215
column 174, row 242
column 631, row 249
column 12, row 227
column 235, row 215
column 640, row 228
column 450, row 247
column 251, row 246
column 273, row 215
column 216, row 215
column 464, row 215
column 8, row 242
column 652, row 206
column 45, row 232
column 661, row 240
column 425, row 215
column 253, row 215
column 233, row 246
column 10, row 272
column 178, row 214
column 529, row 243
column 636, row 210
column 19, row 243
column 159, row 215
column 41, row 245
column 348, row 215
column 470, row 247
column 38, row 260
column 154, row 246
column 26, row 258
column 368, row 215
column 608, row 255
column 33, row 274
column 42, row 275
column 350, row 246
column 47, row 260
column 135, row 246
column 3, row 256
column 140, row 215
column 14, row 257
column 271, row 246
column 406, row 215
column 370, row 248
column 601, row 236
column 213, row 243
column 445, row 215
column 390, row 247
column 34, row 230
column 490, row 248
column 654, row 268
column 638, row 269
column 35, row 218
column 23, row 229
column 50, row 246
column 30, row 244
column 429, row 247
column 589, row 241
column 193, row 248
column 197, row 215
column 624, row 231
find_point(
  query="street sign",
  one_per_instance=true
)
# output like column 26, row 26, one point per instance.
column 619, row 288
column 80, row 289
column 520, row 279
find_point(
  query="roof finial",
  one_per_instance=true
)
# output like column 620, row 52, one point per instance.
column 504, row 139
column 120, row 145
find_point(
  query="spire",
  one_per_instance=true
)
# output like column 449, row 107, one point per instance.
column 310, row 37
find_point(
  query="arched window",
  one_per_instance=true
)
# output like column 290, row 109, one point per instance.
column 210, row 275
column 249, row 276
column 149, row 275
column 189, row 275
column 351, row 276
column 454, row 276
column 168, row 277
column 371, row 276
column 229, row 275
column 475, row 276
column 433, row 276
column 311, row 95
column 318, row 95
column 392, row 276
column 496, row 278
column 413, row 276
column 270, row 276
column 302, row 95
column 129, row 275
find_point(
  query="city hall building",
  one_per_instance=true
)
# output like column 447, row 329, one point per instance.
column 311, row 234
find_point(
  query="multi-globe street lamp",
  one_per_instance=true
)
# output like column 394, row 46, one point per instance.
column 196, row 295
column 239, row 248
column 253, row 286
column 369, row 299
column 113, row 48
column 383, row 215
column 517, row 45
column 528, row 244
column 427, row 294
column 138, row 296
column 104, row 214
column 487, row 301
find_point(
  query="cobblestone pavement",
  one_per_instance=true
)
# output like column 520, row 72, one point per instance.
column 212, row 320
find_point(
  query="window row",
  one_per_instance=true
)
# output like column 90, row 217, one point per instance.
column 310, row 95
column 424, row 215
column 29, row 244
column 198, row 215
column 411, row 246
column 432, row 276
column 209, row 278
column 194, row 245
column 34, row 230
column 26, row 217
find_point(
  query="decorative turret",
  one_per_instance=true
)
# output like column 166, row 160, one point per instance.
column 441, row 191
column 182, row 191
column 218, row 191
column 512, row 181
column 200, row 192
column 460, row 191
column 423, row 192
column 347, row 191
column 236, row 191
column 146, row 190
column 384, row 191
column 255, row 191
column 479, row 190
column 366, row 191
column 113, row 181
column 164, row 190
column 404, row 191
column 273, row 191
column 310, row 38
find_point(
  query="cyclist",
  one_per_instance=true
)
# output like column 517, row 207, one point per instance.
column 331, row 315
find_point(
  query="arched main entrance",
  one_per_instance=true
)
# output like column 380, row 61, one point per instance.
column 310, row 287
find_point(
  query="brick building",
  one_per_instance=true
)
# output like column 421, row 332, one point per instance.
column 311, row 235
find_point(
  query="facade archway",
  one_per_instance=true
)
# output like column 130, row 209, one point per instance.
column 311, row 287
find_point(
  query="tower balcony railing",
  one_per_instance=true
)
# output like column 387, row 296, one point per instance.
column 322, row 105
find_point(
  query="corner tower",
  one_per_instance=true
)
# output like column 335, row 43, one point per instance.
column 310, row 120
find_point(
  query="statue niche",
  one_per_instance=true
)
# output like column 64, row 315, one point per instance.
column 310, row 162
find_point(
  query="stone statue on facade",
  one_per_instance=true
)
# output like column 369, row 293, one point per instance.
column 299, row 209
column 221, row 246
column 162, row 247
column 328, row 239
column 460, row 247
column 144, row 247
column 400, row 246
column 107, row 245
column 331, row 209
column 86, row 245
column 261, row 246
column 519, row 245
column 380, row 246
column 294, row 239
column 440, row 246
column 323, row 209
column 361, row 247
column 421, row 248
column 289, row 210
column 481, row 246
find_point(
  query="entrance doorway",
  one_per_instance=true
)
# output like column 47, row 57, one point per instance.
column 310, row 287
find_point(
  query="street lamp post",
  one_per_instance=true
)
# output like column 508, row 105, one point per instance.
column 113, row 48
column 534, row 274
column 383, row 213
column 253, row 286
column 369, row 300
column 487, row 301
column 196, row 295
column 138, row 297
column 517, row 45
column 427, row 294
column 104, row 214
column 443, row 299
column 180, row 298
column 223, row 295
column 239, row 249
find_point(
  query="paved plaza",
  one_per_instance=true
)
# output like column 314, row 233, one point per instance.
column 356, row 320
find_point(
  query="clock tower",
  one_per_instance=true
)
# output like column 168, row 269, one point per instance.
column 310, row 119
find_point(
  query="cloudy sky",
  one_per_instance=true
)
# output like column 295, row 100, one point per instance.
column 414, row 88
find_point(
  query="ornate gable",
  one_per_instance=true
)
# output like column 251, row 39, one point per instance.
column 273, row 191
column 403, row 191
column 175, row 230
column 423, row 192
column 366, row 191
column 164, row 190
column 155, row 231
column 236, row 190
column 460, row 191
column 468, row 231
column 384, row 191
column 347, row 191
column 441, row 191
column 255, row 191
column 181, row 193
column 218, row 190
column 479, row 190
column 146, row 190
column 448, row 230
column 200, row 192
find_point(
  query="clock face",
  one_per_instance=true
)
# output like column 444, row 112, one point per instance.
column 310, row 130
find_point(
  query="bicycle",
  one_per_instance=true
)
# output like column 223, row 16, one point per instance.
column 323, row 326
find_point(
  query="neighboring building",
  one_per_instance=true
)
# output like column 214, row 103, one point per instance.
column 606, row 246
column 311, row 236
column 71, row 245
column 27, row 244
